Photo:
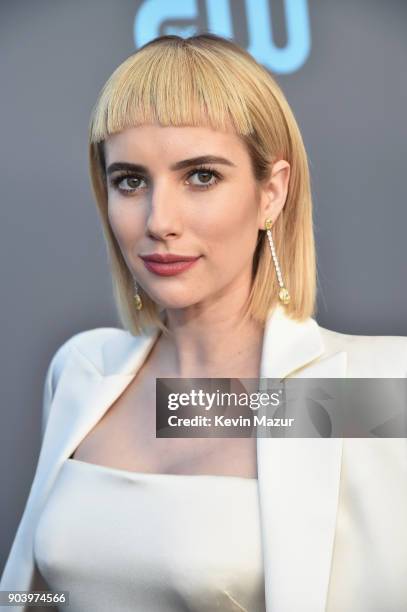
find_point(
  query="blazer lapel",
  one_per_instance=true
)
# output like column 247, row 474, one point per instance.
column 84, row 394
column 298, row 478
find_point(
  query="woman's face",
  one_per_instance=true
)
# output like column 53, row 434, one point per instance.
column 163, row 199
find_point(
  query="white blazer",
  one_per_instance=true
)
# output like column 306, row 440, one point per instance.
column 333, row 510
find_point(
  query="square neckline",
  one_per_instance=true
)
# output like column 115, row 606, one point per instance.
column 153, row 475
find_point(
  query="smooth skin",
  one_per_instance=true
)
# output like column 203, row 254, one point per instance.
column 167, row 210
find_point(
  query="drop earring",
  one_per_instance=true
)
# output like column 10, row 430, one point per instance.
column 137, row 298
column 283, row 294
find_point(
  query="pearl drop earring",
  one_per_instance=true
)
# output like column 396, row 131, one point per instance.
column 283, row 294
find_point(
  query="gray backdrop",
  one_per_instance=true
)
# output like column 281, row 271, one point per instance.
column 347, row 86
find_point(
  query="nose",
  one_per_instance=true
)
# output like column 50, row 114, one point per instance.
column 163, row 216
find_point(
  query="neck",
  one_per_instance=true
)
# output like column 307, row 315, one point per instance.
column 212, row 340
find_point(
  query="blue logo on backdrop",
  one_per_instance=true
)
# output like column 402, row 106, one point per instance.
column 157, row 17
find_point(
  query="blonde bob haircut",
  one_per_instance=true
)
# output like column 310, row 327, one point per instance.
column 209, row 81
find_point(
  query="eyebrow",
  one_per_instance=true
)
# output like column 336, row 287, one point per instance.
column 180, row 165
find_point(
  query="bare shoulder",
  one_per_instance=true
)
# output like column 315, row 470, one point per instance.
column 384, row 356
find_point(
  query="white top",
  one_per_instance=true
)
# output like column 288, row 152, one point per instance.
column 121, row 540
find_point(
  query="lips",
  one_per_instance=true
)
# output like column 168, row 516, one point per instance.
column 168, row 265
column 168, row 257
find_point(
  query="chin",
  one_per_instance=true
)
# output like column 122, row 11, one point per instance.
column 168, row 303
column 176, row 304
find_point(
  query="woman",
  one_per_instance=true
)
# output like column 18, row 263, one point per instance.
column 195, row 156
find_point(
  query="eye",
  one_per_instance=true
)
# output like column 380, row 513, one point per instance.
column 127, row 183
column 207, row 177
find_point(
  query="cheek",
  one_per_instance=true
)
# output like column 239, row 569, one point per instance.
column 124, row 221
column 232, row 221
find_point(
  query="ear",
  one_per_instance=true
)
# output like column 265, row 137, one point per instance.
column 273, row 194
